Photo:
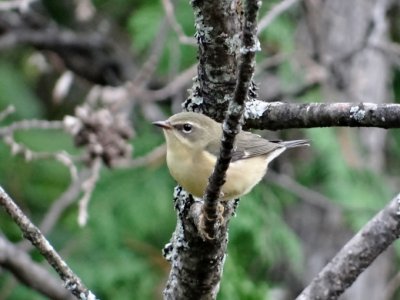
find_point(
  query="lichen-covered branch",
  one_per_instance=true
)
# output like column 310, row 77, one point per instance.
column 356, row 255
column 218, row 27
column 72, row 282
column 231, row 125
column 280, row 115
column 196, row 264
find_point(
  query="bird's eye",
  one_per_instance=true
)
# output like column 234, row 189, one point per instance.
column 187, row 128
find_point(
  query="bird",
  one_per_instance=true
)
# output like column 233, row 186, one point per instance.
column 193, row 145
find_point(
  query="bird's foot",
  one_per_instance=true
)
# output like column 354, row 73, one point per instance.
column 209, row 225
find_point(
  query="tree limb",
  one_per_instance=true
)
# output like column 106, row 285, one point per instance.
column 231, row 125
column 280, row 115
column 196, row 264
column 31, row 273
column 356, row 255
column 218, row 26
column 33, row 234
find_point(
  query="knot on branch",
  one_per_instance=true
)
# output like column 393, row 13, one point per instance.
column 104, row 135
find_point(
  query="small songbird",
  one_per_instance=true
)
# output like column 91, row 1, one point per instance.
column 193, row 145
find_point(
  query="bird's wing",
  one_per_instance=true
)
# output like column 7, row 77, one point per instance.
column 250, row 145
column 247, row 145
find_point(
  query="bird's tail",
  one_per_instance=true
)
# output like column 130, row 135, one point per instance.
column 295, row 143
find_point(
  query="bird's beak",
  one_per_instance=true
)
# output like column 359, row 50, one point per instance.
column 163, row 124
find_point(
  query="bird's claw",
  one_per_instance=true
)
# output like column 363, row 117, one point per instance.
column 207, row 224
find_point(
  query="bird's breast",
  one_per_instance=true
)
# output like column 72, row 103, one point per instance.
column 191, row 169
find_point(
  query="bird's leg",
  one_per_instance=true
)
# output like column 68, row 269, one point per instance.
column 205, row 221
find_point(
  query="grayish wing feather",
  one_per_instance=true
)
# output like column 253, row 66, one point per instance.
column 249, row 145
column 214, row 147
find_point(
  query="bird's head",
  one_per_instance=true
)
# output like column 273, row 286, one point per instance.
column 189, row 129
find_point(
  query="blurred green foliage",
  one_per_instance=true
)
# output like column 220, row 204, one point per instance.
column 15, row 90
column 118, row 253
column 182, row 55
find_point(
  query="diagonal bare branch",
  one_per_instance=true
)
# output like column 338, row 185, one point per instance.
column 356, row 255
column 72, row 282
column 30, row 273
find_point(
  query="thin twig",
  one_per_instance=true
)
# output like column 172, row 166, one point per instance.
column 146, row 71
column 58, row 206
column 308, row 195
column 169, row 12
column 271, row 62
column 231, row 125
column 6, row 112
column 275, row 12
column 88, row 187
column 91, row 56
column 169, row 90
column 29, row 155
column 64, row 201
column 153, row 156
column 30, row 124
column 72, row 282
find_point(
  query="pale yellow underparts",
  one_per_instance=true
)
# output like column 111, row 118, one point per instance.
column 191, row 168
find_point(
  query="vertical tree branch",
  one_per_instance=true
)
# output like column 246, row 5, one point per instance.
column 196, row 264
column 218, row 27
column 231, row 125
